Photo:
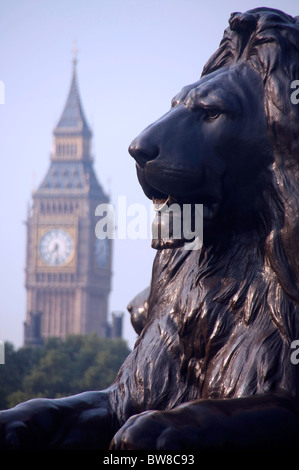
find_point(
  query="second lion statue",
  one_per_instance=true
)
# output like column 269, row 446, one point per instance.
column 212, row 367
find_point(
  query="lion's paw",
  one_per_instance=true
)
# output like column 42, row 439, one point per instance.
column 156, row 430
column 83, row 421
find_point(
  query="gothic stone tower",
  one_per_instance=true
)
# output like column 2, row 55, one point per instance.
column 68, row 270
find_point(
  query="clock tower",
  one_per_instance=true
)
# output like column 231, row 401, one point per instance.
column 68, row 270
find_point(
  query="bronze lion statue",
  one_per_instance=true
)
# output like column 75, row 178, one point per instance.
column 212, row 367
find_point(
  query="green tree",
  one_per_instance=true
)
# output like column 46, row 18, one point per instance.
column 65, row 367
column 17, row 365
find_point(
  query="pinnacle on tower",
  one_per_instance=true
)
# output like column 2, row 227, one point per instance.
column 72, row 135
column 72, row 120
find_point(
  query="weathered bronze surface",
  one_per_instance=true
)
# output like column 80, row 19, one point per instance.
column 212, row 367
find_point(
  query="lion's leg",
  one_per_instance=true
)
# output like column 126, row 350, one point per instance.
column 83, row 421
column 259, row 422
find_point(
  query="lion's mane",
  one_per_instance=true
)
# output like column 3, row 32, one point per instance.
column 239, row 301
column 231, row 311
column 269, row 40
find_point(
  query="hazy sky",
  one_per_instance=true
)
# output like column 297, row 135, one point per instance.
column 134, row 55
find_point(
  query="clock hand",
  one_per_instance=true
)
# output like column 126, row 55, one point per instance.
column 56, row 246
column 57, row 253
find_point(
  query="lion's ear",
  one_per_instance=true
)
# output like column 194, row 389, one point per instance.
column 243, row 22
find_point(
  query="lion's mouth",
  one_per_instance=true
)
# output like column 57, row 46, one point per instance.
column 178, row 223
column 165, row 234
column 163, row 226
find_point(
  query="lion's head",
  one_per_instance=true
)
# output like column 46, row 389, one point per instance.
column 231, row 142
column 211, row 148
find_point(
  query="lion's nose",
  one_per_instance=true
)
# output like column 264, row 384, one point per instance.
column 143, row 151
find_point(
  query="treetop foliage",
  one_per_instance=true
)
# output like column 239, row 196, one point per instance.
column 60, row 368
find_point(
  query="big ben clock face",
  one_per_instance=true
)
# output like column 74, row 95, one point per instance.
column 56, row 247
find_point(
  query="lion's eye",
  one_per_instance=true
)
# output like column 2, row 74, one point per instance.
column 211, row 114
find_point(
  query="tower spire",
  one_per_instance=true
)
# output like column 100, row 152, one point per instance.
column 72, row 134
column 75, row 53
column 72, row 120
